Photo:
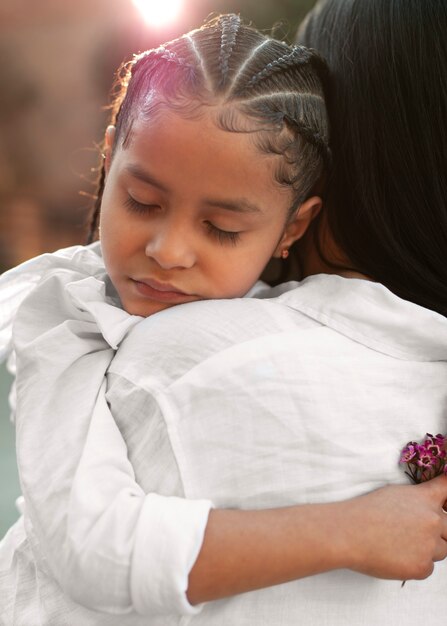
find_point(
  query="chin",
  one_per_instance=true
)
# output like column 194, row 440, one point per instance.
column 145, row 309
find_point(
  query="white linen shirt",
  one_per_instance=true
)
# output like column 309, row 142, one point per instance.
column 303, row 397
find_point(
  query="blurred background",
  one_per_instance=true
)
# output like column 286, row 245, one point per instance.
column 57, row 65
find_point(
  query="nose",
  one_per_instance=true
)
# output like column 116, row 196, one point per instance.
column 171, row 247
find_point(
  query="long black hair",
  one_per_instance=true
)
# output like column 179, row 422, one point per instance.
column 277, row 86
column 387, row 99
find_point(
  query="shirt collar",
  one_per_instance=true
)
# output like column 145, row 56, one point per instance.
column 369, row 313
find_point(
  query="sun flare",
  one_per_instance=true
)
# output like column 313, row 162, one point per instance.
column 159, row 13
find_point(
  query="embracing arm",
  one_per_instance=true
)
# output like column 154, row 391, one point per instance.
column 116, row 549
column 395, row 532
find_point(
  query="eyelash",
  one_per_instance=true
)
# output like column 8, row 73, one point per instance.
column 138, row 207
column 223, row 236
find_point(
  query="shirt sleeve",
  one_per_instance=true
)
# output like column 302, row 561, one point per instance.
column 110, row 546
column 129, row 550
column 171, row 531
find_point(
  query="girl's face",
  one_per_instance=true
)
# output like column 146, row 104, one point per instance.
column 191, row 212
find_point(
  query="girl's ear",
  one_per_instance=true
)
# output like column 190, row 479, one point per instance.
column 298, row 224
column 109, row 140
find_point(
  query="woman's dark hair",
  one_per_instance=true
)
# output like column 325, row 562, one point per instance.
column 387, row 99
column 277, row 87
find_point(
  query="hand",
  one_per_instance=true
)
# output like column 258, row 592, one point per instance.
column 397, row 532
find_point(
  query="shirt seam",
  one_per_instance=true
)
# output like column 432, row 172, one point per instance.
column 348, row 332
column 155, row 394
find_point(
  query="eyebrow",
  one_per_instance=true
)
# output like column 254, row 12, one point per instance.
column 237, row 205
column 137, row 172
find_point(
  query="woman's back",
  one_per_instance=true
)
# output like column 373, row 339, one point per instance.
column 349, row 373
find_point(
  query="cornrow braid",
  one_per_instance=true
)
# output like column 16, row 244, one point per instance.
column 94, row 219
column 199, row 60
column 93, row 226
column 230, row 25
column 241, row 75
column 311, row 136
column 160, row 53
column 298, row 55
column 250, row 59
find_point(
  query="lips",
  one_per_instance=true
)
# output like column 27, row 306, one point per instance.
column 154, row 284
column 161, row 292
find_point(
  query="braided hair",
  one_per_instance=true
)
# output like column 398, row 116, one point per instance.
column 278, row 87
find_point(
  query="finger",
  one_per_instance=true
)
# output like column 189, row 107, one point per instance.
column 441, row 551
column 444, row 526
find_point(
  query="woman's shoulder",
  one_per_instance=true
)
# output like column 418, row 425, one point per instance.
column 172, row 342
column 218, row 322
column 348, row 311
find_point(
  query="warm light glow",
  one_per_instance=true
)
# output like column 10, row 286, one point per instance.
column 159, row 12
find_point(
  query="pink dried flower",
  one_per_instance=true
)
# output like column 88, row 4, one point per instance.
column 408, row 453
column 425, row 460
column 436, row 451
column 439, row 440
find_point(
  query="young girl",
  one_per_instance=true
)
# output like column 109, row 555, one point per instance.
column 218, row 143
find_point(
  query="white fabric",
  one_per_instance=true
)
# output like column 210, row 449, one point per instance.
column 305, row 397
column 90, row 527
column 17, row 283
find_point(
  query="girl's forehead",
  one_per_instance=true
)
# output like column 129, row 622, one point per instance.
column 197, row 153
column 211, row 132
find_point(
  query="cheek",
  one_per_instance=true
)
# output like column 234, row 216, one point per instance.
column 107, row 236
column 238, row 272
column 253, row 262
column 118, row 233
column 114, row 241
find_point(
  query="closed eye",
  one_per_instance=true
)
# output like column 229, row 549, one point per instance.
column 138, row 207
column 223, row 236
